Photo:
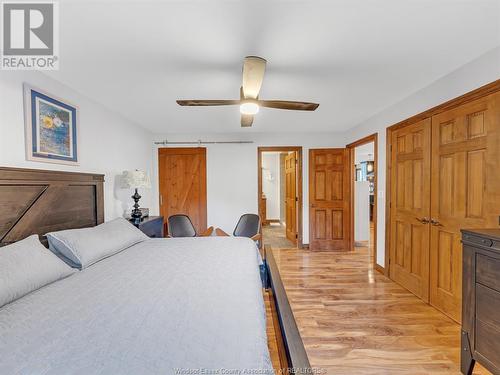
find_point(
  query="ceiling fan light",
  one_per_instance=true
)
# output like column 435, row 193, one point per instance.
column 249, row 108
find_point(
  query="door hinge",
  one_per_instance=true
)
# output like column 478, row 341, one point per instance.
column 296, row 199
column 296, row 235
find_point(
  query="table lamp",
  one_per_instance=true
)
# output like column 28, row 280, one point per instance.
column 136, row 179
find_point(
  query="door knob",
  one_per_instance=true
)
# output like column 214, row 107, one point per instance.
column 423, row 220
column 436, row 223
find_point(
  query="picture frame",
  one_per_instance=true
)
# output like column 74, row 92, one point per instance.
column 51, row 128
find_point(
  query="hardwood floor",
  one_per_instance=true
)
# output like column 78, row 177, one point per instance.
column 274, row 235
column 354, row 320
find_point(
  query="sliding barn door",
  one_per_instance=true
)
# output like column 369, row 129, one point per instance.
column 465, row 191
column 329, row 199
column 410, row 207
column 183, row 184
column 291, row 196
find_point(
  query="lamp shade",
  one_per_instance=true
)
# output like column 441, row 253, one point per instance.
column 135, row 179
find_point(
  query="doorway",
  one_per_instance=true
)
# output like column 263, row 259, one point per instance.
column 280, row 195
column 183, row 184
column 364, row 196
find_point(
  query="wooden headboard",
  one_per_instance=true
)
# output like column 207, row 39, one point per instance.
column 35, row 201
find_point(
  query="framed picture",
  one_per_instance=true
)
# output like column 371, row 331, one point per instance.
column 51, row 128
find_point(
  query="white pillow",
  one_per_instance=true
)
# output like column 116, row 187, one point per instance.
column 81, row 248
column 26, row 266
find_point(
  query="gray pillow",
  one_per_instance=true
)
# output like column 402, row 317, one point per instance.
column 81, row 248
column 26, row 266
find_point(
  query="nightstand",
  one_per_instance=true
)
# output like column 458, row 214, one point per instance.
column 151, row 226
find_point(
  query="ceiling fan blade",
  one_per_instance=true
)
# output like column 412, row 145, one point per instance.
column 286, row 104
column 246, row 121
column 195, row 102
column 253, row 74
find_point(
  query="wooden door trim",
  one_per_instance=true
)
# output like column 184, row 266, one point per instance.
column 298, row 150
column 352, row 146
column 187, row 151
column 478, row 93
column 470, row 96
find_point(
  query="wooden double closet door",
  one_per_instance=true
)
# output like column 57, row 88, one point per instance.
column 445, row 176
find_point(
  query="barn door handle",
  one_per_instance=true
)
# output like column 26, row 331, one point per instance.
column 436, row 223
column 423, row 220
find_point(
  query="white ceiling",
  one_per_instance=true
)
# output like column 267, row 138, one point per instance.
column 354, row 57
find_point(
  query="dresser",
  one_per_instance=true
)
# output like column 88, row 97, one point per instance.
column 480, row 339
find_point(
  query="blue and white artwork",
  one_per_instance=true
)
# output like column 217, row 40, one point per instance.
column 51, row 128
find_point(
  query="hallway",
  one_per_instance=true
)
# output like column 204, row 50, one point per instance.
column 274, row 235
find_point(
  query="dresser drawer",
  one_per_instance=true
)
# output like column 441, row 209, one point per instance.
column 488, row 342
column 488, row 271
column 488, row 305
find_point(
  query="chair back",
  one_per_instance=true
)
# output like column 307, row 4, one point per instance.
column 180, row 226
column 248, row 226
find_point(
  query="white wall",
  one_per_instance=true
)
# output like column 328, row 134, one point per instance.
column 362, row 195
column 361, row 211
column 232, row 171
column 108, row 143
column 271, row 183
column 477, row 73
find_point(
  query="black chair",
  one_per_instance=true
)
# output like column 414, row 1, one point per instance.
column 181, row 226
column 248, row 226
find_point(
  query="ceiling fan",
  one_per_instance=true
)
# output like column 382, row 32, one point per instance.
column 249, row 102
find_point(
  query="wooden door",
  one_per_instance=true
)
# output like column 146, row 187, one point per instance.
column 329, row 199
column 183, row 184
column 291, row 196
column 465, row 191
column 410, row 207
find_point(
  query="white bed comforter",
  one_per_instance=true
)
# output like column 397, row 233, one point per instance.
column 164, row 306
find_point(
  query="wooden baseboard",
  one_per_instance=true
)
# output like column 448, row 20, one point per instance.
column 380, row 269
column 267, row 222
column 361, row 243
column 273, row 220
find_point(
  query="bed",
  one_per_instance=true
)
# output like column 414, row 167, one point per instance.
column 161, row 306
